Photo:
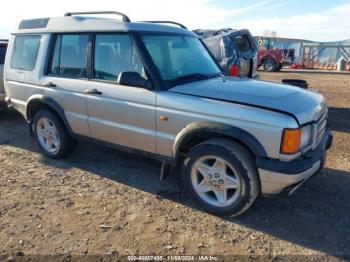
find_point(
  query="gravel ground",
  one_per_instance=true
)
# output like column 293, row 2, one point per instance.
column 101, row 201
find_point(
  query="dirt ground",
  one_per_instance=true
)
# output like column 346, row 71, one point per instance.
column 100, row 201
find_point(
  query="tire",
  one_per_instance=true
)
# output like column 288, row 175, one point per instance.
column 279, row 67
column 62, row 142
column 269, row 65
column 240, row 165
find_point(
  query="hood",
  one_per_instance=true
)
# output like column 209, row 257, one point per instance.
column 304, row 105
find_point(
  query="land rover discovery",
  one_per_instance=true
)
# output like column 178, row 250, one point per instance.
column 156, row 89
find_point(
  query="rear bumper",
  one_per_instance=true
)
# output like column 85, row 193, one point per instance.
column 275, row 175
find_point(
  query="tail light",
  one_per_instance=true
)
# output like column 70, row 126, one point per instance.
column 234, row 70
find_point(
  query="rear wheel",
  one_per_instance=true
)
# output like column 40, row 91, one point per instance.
column 269, row 65
column 221, row 176
column 279, row 67
column 51, row 135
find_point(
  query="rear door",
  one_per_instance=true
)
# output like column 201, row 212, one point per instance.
column 247, row 50
column 65, row 78
column 119, row 114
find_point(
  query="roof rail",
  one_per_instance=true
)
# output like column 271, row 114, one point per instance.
column 167, row 22
column 125, row 18
column 4, row 40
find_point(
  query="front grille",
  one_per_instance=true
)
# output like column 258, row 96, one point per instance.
column 320, row 127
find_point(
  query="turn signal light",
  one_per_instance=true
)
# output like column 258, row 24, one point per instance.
column 291, row 141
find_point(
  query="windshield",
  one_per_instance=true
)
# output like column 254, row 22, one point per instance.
column 179, row 57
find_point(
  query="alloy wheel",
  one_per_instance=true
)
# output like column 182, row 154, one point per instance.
column 215, row 181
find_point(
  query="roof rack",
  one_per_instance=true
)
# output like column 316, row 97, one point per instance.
column 125, row 18
column 167, row 22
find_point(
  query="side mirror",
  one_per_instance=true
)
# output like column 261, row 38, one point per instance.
column 132, row 79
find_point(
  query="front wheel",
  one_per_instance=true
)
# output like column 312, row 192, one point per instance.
column 52, row 137
column 222, row 177
column 269, row 65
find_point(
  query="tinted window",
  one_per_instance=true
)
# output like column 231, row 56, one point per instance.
column 115, row 54
column 70, row 55
column 242, row 42
column 25, row 52
column 2, row 54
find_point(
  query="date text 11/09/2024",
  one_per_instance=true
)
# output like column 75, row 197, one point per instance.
column 172, row 258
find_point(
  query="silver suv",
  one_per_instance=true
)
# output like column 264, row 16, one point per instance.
column 152, row 88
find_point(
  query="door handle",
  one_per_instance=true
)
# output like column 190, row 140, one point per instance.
column 49, row 84
column 93, row 91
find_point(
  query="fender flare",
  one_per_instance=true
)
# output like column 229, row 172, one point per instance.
column 221, row 129
column 269, row 57
column 52, row 104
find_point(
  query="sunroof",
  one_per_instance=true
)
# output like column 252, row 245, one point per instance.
column 34, row 23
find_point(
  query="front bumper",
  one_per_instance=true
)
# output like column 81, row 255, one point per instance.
column 275, row 175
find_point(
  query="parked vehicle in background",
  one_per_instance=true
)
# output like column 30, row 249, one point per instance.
column 234, row 50
column 156, row 89
column 273, row 59
column 3, row 47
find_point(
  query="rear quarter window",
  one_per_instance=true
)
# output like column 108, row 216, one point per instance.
column 2, row 54
column 243, row 43
column 25, row 52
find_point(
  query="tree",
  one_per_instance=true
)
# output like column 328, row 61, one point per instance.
column 270, row 33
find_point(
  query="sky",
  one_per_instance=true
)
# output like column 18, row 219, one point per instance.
column 321, row 20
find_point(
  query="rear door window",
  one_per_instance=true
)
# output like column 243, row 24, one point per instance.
column 243, row 43
column 2, row 54
column 69, row 56
column 25, row 52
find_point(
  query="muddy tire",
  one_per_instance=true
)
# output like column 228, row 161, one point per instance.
column 222, row 177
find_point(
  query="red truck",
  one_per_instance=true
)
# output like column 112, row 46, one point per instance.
column 272, row 59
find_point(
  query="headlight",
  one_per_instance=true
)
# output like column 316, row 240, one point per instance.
column 295, row 139
column 306, row 136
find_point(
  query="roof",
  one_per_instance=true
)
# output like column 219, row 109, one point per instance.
column 92, row 24
column 205, row 33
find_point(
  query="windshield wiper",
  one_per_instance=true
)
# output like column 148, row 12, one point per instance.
column 215, row 75
column 190, row 77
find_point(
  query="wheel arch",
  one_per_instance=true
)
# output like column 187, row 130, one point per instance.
column 268, row 57
column 36, row 103
column 198, row 132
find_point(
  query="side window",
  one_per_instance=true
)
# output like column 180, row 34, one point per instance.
column 114, row 54
column 242, row 42
column 69, row 57
column 25, row 52
column 2, row 54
